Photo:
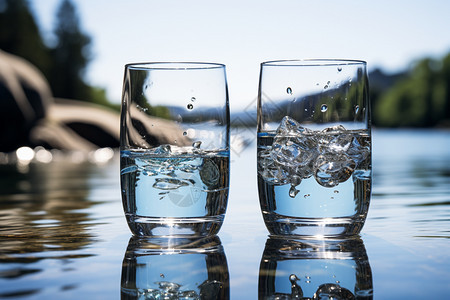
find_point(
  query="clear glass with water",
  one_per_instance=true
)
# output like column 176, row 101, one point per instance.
column 175, row 148
column 314, row 147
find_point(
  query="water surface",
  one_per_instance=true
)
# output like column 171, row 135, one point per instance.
column 63, row 233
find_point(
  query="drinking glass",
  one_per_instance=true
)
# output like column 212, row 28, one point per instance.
column 314, row 147
column 174, row 148
column 315, row 269
column 175, row 268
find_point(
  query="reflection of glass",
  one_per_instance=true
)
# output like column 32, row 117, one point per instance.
column 175, row 268
column 315, row 269
column 314, row 147
column 175, row 148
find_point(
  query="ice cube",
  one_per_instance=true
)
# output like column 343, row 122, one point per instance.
column 270, row 170
column 292, row 151
column 331, row 170
column 290, row 126
column 293, row 144
column 334, row 139
column 334, row 129
column 358, row 152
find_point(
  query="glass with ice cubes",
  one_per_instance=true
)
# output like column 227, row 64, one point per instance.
column 174, row 148
column 314, row 147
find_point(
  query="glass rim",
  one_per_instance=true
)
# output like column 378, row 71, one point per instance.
column 312, row 62
column 174, row 65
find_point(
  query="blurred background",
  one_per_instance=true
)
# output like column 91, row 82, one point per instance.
column 80, row 48
column 62, row 230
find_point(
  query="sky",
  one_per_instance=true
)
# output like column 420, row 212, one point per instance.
column 243, row 33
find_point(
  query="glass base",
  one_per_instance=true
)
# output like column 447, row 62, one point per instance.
column 174, row 227
column 279, row 225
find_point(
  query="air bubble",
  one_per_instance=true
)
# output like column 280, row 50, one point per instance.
column 185, row 133
column 289, row 91
column 325, row 87
column 307, row 195
column 323, row 108
column 339, row 68
column 193, row 99
column 162, row 275
column 356, row 109
column 190, row 106
column 336, row 191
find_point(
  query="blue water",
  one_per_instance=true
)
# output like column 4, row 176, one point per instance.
column 63, row 232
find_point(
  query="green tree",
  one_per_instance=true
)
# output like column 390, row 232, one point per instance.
column 70, row 55
column 20, row 35
column 421, row 99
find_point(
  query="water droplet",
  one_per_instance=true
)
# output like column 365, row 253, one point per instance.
column 196, row 144
column 293, row 192
column 293, row 277
column 356, row 109
column 162, row 275
column 193, row 99
column 323, row 108
column 190, row 106
column 339, row 68
column 328, row 82
column 185, row 133
column 325, row 87
column 296, row 180
column 289, row 91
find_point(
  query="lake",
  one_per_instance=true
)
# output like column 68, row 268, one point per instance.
column 63, row 233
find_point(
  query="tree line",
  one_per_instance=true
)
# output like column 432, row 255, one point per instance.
column 418, row 97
